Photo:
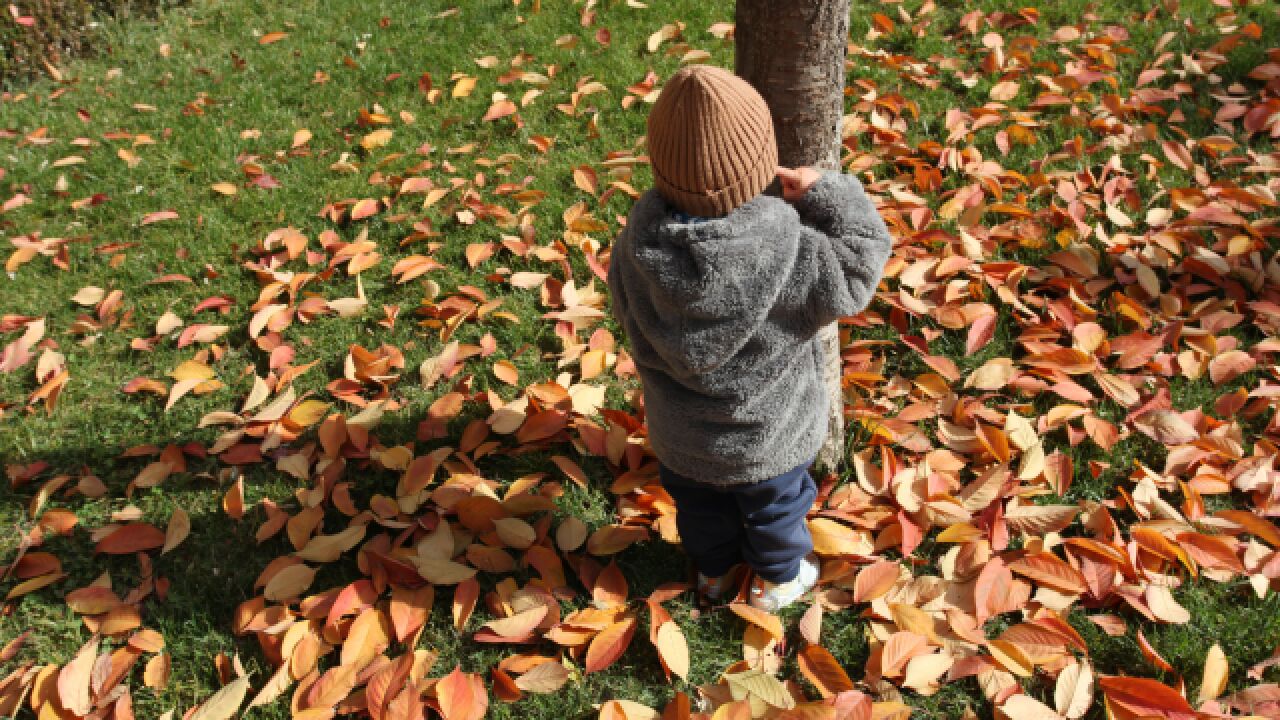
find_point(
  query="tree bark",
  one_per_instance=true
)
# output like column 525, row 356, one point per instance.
column 792, row 52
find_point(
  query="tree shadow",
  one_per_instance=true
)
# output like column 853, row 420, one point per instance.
column 216, row 568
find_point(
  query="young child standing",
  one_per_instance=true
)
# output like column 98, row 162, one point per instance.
column 721, row 290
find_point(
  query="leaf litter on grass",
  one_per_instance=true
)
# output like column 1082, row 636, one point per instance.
column 1153, row 263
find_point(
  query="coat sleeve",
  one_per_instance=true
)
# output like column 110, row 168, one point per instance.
column 617, row 295
column 841, row 254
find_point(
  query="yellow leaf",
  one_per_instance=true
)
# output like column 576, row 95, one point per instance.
column 760, row 685
column 89, row 296
column 368, row 636
column 674, row 649
column 191, row 370
column 308, row 412
column 440, row 571
column 224, row 703
column 464, row 86
column 376, row 139
column 289, row 583
column 831, row 538
column 1011, row 657
column 327, row 548
column 1214, row 679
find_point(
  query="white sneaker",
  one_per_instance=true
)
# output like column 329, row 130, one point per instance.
column 771, row 598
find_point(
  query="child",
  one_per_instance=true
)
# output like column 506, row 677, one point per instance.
column 721, row 290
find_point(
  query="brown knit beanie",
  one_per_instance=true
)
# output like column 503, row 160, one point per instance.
column 711, row 141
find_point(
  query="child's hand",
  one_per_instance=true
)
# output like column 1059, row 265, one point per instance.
column 797, row 181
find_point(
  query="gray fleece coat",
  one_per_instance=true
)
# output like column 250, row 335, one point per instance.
column 721, row 317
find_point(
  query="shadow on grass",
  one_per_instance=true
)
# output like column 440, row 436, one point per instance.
column 216, row 568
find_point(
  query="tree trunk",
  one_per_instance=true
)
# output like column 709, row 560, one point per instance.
column 792, row 52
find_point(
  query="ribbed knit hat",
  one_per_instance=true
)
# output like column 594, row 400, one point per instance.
column 711, row 143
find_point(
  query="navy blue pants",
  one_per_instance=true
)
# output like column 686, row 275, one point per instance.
column 761, row 524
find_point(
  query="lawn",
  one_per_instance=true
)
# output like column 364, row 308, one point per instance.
column 309, row 394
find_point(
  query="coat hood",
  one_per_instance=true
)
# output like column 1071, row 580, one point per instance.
column 709, row 285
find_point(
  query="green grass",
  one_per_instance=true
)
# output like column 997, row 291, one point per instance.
column 221, row 99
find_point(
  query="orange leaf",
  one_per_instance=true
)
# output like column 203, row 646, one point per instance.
column 611, row 587
column 464, row 601
column 272, row 37
column 364, row 208
column 992, row 590
column 585, row 178
column 499, row 109
column 233, row 501
column 129, row 539
column 1264, row 530
column 765, row 621
column 506, row 372
column 609, row 645
column 93, row 600
column 875, row 580
column 612, row 539
column 1046, row 569
column 504, row 687
column 462, row 696
column 368, row 636
column 898, row 649
column 995, row 441
column 409, row 610
column 822, row 669
column 518, row 626
column 1146, row 697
